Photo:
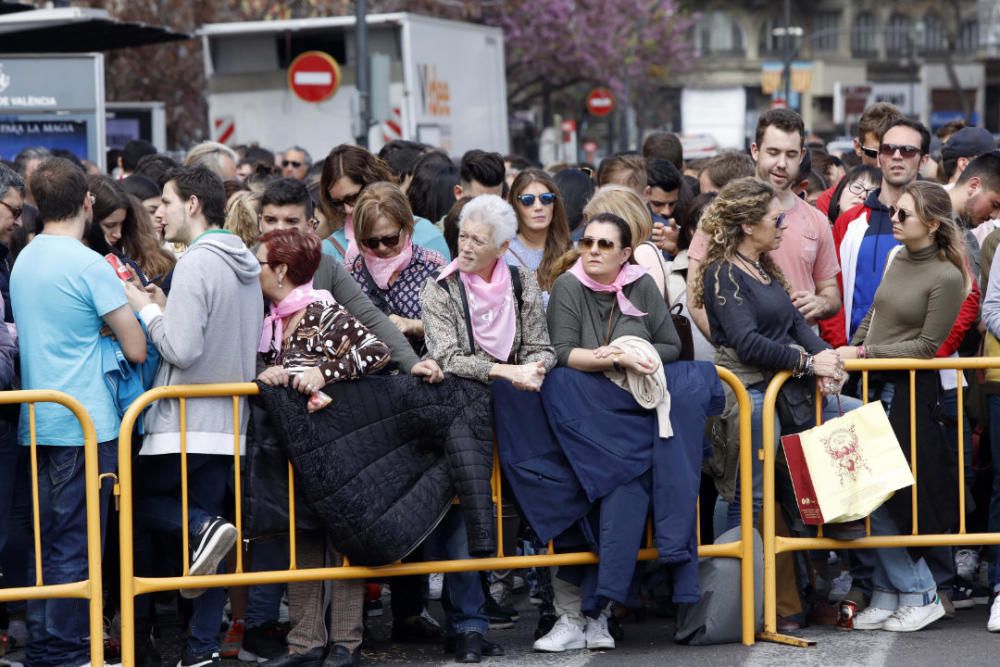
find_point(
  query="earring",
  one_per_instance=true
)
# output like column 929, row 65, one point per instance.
column 280, row 283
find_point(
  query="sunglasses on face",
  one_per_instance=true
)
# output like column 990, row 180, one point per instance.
column 15, row 212
column 373, row 243
column 291, row 163
column 349, row 200
column 869, row 152
column 906, row 151
column 588, row 242
column 547, row 199
column 898, row 214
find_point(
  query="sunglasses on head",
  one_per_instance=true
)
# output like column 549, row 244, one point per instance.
column 547, row 199
column 905, row 151
column 349, row 200
column 291, row 163
column 587, row 242
column 373, row 243
column 898, row 214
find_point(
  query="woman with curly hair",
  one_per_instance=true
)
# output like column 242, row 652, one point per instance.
column 753, row 321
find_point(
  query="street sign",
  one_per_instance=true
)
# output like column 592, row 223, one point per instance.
column 314, row 76
column 600, row 102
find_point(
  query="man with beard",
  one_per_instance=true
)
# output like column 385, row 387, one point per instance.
column 806, row 255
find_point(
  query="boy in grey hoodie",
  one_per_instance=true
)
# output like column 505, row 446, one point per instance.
column 207, row 332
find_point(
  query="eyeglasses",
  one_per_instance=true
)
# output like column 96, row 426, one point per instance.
column 907, row 152
column 588, row 242
column 263, row 262
column 349, row 200
column 858, row 188
column 373, row 243
column 898, row 213
column 15, row 212
column 871, row 153
column 547, row 199
column 779, row 222
column 291, row 163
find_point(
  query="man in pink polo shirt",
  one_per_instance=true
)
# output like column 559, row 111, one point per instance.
column 807, row 255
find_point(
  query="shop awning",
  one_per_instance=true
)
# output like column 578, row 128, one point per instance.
column 74, row 30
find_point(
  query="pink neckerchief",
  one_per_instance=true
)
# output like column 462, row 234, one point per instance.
column 491, row 307
column 629, row 273
column 297, row 299
column 352, row 244
column 383, row 268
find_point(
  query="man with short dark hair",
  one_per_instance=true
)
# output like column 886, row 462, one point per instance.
column 664, row 146
column 863, row 235
column 724, row 167
column 285, row 204
column 61, row 349
column 134, row 150
column 295, row 163
column 663, row 187
column 206, row 332
column 155, row 167
column 402, row 156
column 481, row 173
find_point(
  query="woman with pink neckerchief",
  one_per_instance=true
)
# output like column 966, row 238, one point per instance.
column 390, row 268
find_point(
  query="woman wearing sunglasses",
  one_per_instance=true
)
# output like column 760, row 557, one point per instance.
column 757, row 329
column 542, row 230
column 347, row 171
column 390, row 268
column 605, row 315
column 915, row 306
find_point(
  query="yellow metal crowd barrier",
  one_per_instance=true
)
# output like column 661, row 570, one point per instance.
column 132, row 586
column 90, row 588
column 774, row 544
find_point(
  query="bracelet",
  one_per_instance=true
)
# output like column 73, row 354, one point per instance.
column 800, row 367
column 809, row 365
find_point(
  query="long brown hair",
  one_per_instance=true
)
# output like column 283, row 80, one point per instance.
column 932, row 203
column 557, row 236
column 138, row 241
column 741, row 202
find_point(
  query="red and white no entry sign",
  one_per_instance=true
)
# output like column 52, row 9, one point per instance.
column 314, row 76
column 600, row 102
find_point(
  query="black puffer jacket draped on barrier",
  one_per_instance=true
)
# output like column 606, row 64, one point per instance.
column 380, row 465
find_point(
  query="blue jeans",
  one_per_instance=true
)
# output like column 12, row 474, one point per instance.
column 159, row 510
column 15, row 509
column 265, row 600
column 60, row 628
column 898, row 579
column 830, row 410
column 462, row 598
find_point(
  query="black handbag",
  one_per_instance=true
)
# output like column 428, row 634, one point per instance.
column 683, row 326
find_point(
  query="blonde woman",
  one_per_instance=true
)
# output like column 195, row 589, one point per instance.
column 914, row 309
column 241, row 216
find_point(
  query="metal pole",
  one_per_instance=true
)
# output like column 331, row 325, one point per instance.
column 787, row 70
column 363, row 78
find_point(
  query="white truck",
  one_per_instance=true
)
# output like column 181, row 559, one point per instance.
column 440, row 82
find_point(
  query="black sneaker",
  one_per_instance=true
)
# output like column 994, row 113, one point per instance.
column 263, row 642
column 208, row 549
column 188, row 660
column 498, row 616
column 961, row 597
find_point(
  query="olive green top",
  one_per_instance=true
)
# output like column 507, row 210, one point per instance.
column 915, row 306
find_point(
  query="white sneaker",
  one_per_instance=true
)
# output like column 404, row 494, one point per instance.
column 597, row 635
column 435, row 584
column 966, row 563
column 911, row 619
column 565, row 635
column 994, row 623
column 872, row 618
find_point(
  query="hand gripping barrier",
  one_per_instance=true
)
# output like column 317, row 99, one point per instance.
column 774, row 544
column 90, row 588
column 132, row 586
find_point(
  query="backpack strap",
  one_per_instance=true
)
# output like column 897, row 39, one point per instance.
column 465, row 307
column 515, row 283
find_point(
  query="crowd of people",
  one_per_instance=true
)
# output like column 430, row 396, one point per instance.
column 398, row 310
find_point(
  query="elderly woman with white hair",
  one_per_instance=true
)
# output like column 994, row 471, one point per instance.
column 484, row 320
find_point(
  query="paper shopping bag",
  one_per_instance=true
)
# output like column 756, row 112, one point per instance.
column 844, row 469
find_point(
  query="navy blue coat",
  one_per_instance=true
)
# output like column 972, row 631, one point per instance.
column 583, row 455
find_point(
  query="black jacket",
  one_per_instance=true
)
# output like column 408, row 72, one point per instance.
column 379, row 466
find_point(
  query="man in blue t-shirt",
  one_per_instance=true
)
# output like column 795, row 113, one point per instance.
column 63, row 295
